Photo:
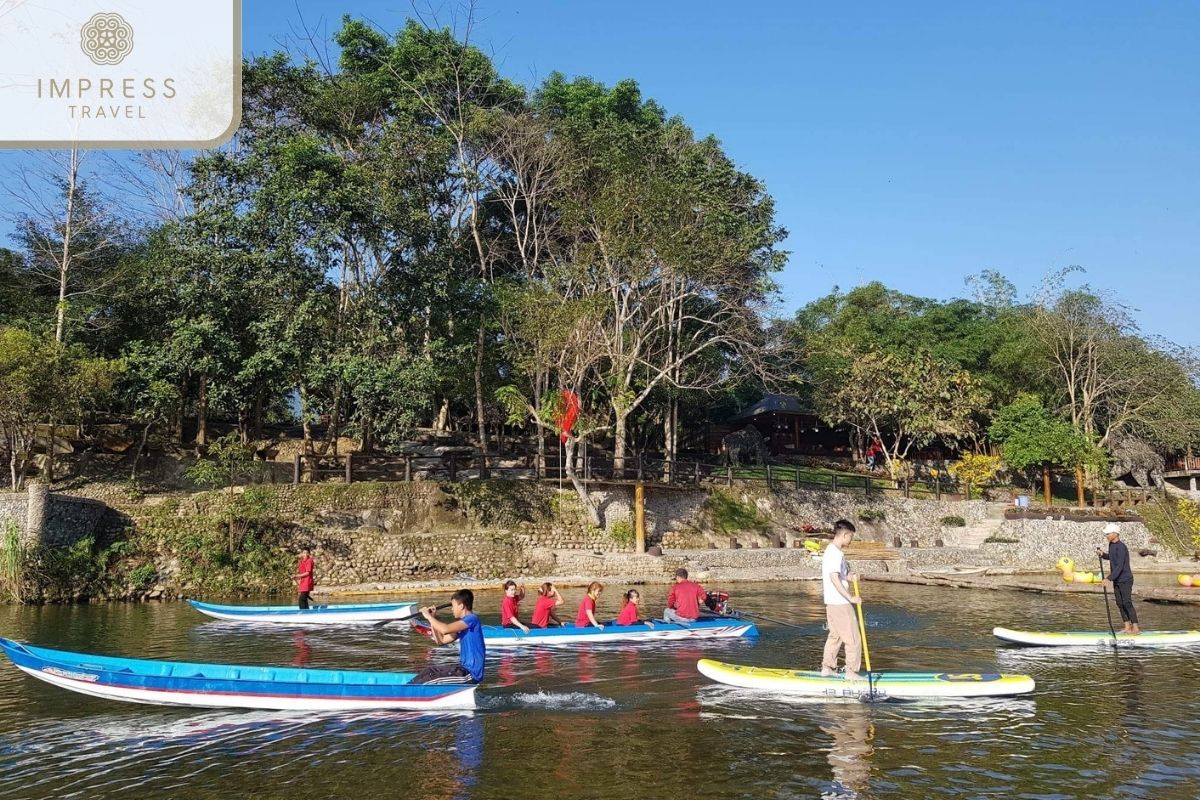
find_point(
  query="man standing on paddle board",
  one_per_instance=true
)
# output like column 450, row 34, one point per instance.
column 1120, row 577
column 468, row 631
column 836, row 581
column 304, row 579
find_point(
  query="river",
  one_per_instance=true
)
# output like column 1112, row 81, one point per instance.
column 627, row 721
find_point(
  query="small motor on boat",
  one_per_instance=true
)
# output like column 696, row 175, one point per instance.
column 717, row 602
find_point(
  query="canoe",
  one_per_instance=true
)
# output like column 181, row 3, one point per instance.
column 1097, row 638
column 901, row 685
column 495, row 636
column 175, row 683
column 317, row 615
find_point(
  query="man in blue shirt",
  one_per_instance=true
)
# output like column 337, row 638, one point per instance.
column 1120, row 577
column 468, row 631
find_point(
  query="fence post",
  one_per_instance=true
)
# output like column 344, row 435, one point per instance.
column 833, row 482
column 797, row 478
column 729, row 474
column 768, row 475
column 937, row 487
column 349, row 467
column 640, row 474
column 696, row 472
column 408, row 468
column 296, row 468
column 453, row 464
column 906, row 490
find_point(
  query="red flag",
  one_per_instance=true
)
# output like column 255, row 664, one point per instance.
column 568, row 413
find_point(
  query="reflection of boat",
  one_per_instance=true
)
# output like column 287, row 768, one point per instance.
column 881, row 684
column 317, row 615
column 1097, row 638
column 496, row 636
column 177, row 683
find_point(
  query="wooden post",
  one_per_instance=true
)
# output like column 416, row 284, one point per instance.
column 640, row 473
column 696, row 472
column 729, row 474
column 1079, row 495
column 1046, row 482
column 639, row 517
column 349, row 468
column 453, row 465
column 408, row 468
column 296, row 469
column 833, row 482
column 797, row 474
column 937, row 486
column 768, row 474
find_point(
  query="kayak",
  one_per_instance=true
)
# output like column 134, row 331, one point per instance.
column 317, row 615
column 902, row 685
column 175, row 683
column 495, row 636
column 1097, row 638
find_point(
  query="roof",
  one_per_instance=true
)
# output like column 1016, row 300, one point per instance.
column 774, row 403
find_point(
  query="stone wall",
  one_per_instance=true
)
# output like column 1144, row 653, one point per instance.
column 13, row 506
column 52, row 519
column 1039, row 543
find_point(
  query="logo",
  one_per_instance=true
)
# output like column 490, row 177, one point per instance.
column 106, row 39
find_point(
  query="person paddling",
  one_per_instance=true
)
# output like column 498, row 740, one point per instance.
column 1120, row 577
column 684, row 599
column 304, row 579
column 586, row 618
column 510, row 606
column 543, row 609
column 836, row 582
column 467, row 630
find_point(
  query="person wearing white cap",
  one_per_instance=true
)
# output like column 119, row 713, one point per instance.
column 1120, row 577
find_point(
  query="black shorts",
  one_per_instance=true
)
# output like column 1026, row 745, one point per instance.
column 444, row 673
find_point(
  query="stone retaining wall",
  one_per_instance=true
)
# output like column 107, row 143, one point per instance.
column 1040, row 543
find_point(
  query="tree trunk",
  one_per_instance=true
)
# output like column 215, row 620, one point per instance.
column 137, row 457
column 442, row 421
column 593, row 513
column 52, row 428
column 1079, row 486
column 244, row 425
column 258, row 416
column 64, row 265
column 480, row 416
column 305, row 424
column 202, row 412
column 619, row 438
column 1046, row 483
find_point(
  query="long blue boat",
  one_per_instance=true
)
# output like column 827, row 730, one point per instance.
column 706, row 628
column 362, row 614
column 176, row 683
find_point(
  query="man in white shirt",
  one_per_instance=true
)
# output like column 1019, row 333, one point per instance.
column 839, row 604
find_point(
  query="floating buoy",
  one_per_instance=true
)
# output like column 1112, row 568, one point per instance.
column 1196, row 580
column 1068, row 576
column 1183, row 580
column 1085, row 577
column 1065, row 564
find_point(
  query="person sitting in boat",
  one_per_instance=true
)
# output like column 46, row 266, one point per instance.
column 586, row 618
column 543, row 609
column 684, row 599
column 510, row 606
column 629, row 611
column 467, row 631
column 304, row 579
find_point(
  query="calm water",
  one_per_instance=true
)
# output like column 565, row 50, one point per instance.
column 626, row 721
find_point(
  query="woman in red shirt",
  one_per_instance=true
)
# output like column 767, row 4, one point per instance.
column 543, row 610
column 510, row 607
column 629, row 611
column 586, row 618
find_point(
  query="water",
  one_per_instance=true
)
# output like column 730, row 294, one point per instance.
column 627, row 721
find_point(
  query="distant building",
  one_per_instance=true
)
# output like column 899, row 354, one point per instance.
column 788, row 426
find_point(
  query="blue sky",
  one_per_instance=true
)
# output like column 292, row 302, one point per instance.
column 904, row 142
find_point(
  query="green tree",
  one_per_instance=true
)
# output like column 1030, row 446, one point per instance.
column 1030, row 437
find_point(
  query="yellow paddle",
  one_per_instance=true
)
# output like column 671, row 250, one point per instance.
column 862, row 628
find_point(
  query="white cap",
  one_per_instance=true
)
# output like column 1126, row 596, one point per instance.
column 1112, row 527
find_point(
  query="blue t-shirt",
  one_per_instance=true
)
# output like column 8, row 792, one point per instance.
column 470, row 647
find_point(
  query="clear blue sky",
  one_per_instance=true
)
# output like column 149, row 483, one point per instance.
column 903, row 142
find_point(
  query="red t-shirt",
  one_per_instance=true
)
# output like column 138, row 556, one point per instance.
column 581, row 619
column 306, row 583
column 685, row 597
column 628, row 615
column 542, row 609
column 509, row 609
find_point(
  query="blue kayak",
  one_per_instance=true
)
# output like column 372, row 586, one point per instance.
column 317, row 615
column 707, row 628
column 176, row 683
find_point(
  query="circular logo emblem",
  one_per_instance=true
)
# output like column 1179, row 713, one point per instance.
column 106, row 39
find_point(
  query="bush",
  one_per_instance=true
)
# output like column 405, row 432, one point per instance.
column 142, row 576
column 872, row 514
column 995, row 539
column 954, row 521
column 730, row 514
column 622, row 533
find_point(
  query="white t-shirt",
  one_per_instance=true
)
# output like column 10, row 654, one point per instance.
column 833, row 562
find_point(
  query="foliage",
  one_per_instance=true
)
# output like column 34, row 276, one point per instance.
column 12, row 558
column 730, row 514
column 953, row 521
column 872, row 515
column 1189, row 514
column 496, row 502
column 975, row 469
column 622, row 532
column 1029, row 436
column 998, row 539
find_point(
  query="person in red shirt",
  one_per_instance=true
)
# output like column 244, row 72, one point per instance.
column 510, row 606
column 684, row 599
column 304, row 579
column 629, row 611
column 586, row 618
column 543, row 610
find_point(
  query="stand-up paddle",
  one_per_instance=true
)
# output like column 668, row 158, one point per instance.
column 414, row 615
column 862, row 633
column 1107, row 609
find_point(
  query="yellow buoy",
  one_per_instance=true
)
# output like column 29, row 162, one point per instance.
column 1068, row 576
column 1084, row 577
column 1183, row 580
column 1196, row 580
column 1065, row 564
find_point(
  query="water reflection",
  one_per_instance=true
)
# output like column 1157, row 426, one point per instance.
column 852, row 731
